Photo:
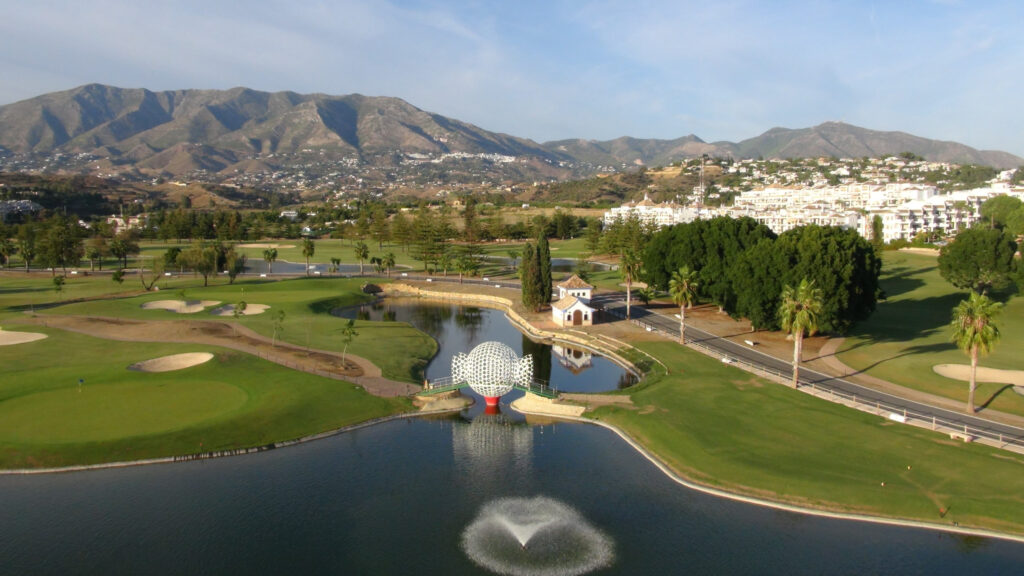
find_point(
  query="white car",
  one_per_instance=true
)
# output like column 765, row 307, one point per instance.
column 728, row 360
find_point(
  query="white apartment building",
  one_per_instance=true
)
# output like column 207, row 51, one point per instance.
column 949, row 213
column 906, row 209
column 652, row 213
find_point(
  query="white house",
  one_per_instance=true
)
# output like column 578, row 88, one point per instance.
column 573, row 305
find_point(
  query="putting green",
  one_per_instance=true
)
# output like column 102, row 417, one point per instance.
column 106, row 411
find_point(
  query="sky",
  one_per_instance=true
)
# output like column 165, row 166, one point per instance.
column 552, row 69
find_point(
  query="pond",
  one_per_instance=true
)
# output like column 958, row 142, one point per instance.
column 424, row 496
column 458, row 328
column 467, row 494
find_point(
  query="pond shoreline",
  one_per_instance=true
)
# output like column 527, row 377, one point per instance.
column 524, row 326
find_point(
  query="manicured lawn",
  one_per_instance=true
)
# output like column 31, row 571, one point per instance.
column 909, row 333
column 398, row 349
column 232, row 401
column 723, row 427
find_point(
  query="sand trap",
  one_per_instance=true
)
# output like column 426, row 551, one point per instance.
column 12, row 338
column 250, row 309
column 180, row 306
column 174, row 362
column 257, row 245
column 963, row 372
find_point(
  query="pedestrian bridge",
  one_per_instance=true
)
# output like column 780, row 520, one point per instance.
column 447, row 384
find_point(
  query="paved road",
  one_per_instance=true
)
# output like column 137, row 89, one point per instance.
column 614, row 304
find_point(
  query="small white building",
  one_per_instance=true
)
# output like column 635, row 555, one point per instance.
column 573, row 305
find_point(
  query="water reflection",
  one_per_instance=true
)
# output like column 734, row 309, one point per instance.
column 541, row 358
column 490, row 448
column 576, row 360
column 459, row 328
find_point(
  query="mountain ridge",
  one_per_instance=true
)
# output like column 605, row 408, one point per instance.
column 176, row 132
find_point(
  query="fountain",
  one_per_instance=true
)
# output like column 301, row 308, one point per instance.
column 535, row 537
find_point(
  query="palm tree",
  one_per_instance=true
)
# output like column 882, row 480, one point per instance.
column 362, row 252
column 798, row 313
column 629, row 267
column 7, row 249
column 389, row 262
column 308, row 248
column 683, row 289
column 444, row 262
column 975, row 332
column 270, row 254
column 348, row 333
column 465, row 264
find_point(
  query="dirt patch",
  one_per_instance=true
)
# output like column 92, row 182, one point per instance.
column 250, row 310
column 994, row 375
column 12, row 338
column 265, row 245
column 747, row 384
column 180, row 306
column 925, row 251
column 215, row 333
column 171, row 363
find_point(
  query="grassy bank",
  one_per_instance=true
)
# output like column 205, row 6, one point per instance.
column 909, row 333
column 397, row 348
column 233, row 401
column 725, row 428
column 47, row 419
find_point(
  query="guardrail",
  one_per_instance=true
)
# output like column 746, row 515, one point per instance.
column 447, row 383
column 887, row 410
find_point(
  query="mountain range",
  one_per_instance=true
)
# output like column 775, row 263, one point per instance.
column 235, row 131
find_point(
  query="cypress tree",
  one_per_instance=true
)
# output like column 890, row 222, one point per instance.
column 544, row 257
column 529, row 278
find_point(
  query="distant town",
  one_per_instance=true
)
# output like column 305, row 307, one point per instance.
column 903, row 193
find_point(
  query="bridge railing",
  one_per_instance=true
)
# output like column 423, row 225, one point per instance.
column 822, row 389
column 537, row 386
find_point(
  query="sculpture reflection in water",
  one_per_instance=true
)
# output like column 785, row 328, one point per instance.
column 515, row 536
column 536, row 536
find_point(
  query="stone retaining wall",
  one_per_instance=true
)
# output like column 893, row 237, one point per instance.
column 504, row 304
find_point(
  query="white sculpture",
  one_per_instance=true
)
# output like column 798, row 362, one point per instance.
column 492, row 369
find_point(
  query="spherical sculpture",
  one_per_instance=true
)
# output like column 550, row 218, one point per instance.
column 492, row 369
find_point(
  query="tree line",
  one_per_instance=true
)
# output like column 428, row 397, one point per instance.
column 742, row 267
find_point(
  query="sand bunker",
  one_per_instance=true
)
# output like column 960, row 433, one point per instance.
column 257, row 245
column 12, row 338
column 250, row 309
column 174, row 362
column 180, row 306
column 963, row 372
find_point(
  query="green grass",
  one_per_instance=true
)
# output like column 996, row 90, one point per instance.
column 909, row 333
column 398, row 349
column 725, row 428
column 233, row 401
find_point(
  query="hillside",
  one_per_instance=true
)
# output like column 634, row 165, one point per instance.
column 846, row 141
column 319, row 143
column 216, row 131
